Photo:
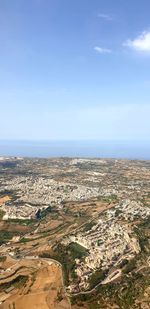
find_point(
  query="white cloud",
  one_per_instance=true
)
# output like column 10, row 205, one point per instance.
column 106, row 17
column 141, row 43
column 101, row 50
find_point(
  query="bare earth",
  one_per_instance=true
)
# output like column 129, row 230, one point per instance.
column 43, row 289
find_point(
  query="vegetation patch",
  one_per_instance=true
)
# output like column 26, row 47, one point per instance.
column 88, row 226
column 26, row 222
column 130, row 266
column 2, row 213
column 109, row 199
column 16, row 283
column 6, row 236
column 97, row 277
column 2, row 258
column 77, row 251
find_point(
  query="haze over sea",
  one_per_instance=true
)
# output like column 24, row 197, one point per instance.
column 98, row 149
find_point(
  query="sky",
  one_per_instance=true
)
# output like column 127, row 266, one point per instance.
column 75, row 70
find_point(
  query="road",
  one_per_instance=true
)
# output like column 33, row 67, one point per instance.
column 49, row 261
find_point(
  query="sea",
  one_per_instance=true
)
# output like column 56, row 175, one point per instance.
column 139, row 150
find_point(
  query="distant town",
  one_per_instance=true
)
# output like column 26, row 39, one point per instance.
column 85, row 221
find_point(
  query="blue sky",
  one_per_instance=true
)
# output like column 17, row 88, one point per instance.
column 75, row 69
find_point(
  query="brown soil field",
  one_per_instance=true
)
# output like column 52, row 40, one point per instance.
column 9, row 262
column 43, row 289
column 53, row 224
column 91, row 207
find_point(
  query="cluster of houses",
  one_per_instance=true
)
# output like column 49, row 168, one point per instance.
column 108, row 242
column 33, row 193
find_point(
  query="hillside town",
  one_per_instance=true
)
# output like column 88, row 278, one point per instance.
column 88, row 217
column 67, row 180
column 108, row 242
